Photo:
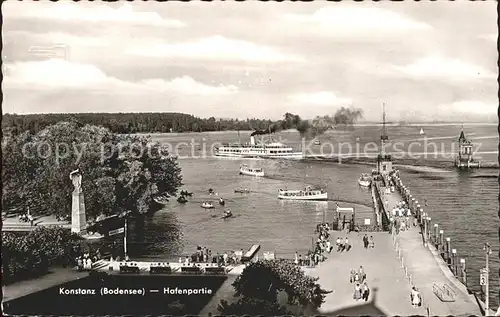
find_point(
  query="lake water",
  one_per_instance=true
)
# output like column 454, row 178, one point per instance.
column 464, row 204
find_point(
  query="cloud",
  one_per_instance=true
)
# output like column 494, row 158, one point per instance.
column 439, row 67
column 216, row 48
column 470, row 107
column 490, row 37
column 68, row 11
column 347, row 20
column 322, row 98
column 59, row 74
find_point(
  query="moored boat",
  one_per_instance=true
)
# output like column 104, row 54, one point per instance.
column 365, row 180
column 246, row 170
column 308, row 193
column 221, row 201
column 207, row 205
column 161, row 200
column 227, row 214
column 182, row 200
column 242, row 190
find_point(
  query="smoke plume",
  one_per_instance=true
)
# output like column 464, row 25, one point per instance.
column 317, row 126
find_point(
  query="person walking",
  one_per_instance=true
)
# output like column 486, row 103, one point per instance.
column 352, row 276
column 366, row 291
column 362, row 274
column 357, row 292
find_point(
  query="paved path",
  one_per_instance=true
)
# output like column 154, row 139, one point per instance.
column 383, row 271
column 11, row 223
column 56, row 276
column 427, row 269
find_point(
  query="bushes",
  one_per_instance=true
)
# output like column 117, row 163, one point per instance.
column 260, row 282
column 30, row 255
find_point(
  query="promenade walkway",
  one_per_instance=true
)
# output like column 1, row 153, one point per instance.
column 56, row 276
column 427, row 269
column 383, row 271
column 11, row 223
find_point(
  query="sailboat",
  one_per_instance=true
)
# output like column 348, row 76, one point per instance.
column 422, row 131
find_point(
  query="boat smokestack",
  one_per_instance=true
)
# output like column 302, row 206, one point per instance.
column 252, row 140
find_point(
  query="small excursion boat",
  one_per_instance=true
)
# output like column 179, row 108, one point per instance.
column 317, row 142
column 221, row 202
column 242, row 190
column 246, row 170
column 182, row 200
column 365, row 180
column 207, row 205
column 305, row 194
column 227, row 214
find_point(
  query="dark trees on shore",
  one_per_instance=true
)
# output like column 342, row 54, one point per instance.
column 131, row 123
column 120, row 172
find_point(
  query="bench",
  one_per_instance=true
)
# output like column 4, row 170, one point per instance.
column 444, row 293
column 125, row 269
column 160, row 270
column 190, row 270
column 215, row 271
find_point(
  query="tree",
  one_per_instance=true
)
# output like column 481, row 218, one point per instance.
column 120, row 172
column 261, row 281
column 30, row 255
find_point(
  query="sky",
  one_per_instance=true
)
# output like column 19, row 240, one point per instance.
column 426, row 61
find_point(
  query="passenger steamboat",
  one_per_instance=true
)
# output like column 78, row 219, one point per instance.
column 261, row 150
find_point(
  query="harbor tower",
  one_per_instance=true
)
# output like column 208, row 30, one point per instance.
column 465, row 157
column 384, row 161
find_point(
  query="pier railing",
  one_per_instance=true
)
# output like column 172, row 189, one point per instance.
column 381, row 208
column 407, row 272
column 433, row 238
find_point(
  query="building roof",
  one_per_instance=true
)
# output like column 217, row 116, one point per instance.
column 462, row 137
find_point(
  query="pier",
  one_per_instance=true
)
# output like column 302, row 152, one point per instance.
column 397, row 263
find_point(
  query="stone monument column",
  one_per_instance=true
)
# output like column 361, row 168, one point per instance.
column 78, row 218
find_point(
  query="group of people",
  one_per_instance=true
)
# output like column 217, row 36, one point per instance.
column 322, row 245
column 204, row 255
column 84, row 261
column 368, row 242
column 27, row 218
column 342, row 244
column 361, row 289
column 401, row 218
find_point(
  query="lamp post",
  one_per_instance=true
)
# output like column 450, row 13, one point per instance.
column 487, row 249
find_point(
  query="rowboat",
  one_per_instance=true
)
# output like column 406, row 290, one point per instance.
column 207, row 205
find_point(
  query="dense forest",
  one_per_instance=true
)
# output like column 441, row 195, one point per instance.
column 124, row 123
column 129, row 123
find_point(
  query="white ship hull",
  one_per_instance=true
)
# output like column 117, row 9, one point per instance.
column 293, row 156
column 364, row 183
column 323, row 196
column 248, row 173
